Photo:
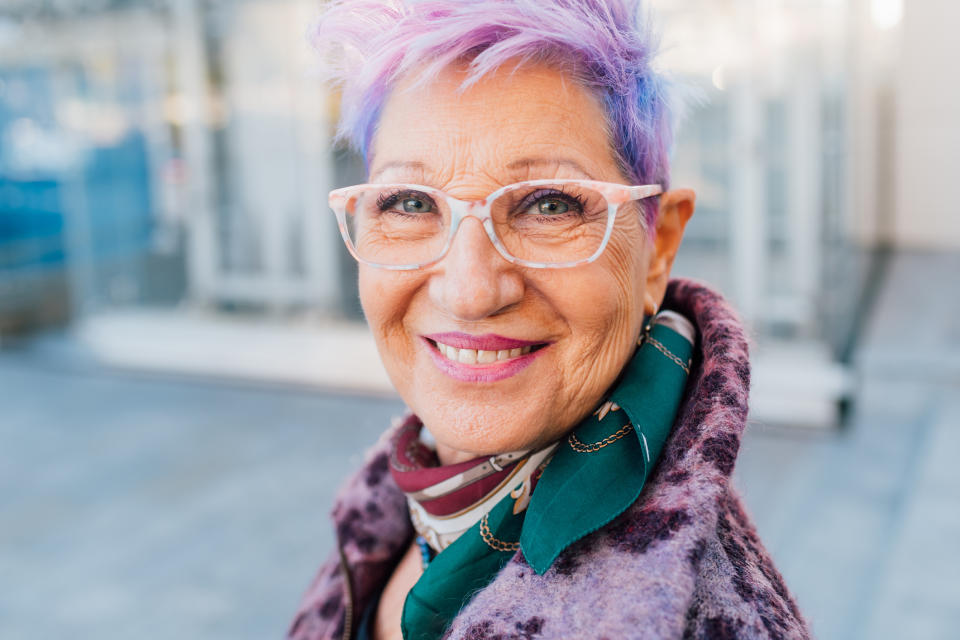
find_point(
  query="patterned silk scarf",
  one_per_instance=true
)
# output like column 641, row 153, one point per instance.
column 479, row 513
column 445, row 501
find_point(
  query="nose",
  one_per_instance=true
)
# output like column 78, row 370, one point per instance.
column 473, row 281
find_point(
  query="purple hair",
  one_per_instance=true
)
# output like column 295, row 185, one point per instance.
column 606, row 45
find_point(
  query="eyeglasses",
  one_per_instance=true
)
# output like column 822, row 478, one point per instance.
column 544, row 224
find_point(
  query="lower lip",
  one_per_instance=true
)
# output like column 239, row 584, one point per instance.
column 483, row 372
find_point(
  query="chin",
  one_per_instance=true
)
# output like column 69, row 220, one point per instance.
column 482, row 429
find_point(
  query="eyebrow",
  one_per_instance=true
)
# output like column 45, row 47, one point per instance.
column 410, row 165
column 522, row 163
column 528, row 163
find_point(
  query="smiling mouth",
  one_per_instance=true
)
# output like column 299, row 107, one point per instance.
column 479, row 356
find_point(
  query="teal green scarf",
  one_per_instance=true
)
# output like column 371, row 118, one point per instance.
column 596, row 473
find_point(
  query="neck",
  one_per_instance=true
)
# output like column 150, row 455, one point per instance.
column 449, row 455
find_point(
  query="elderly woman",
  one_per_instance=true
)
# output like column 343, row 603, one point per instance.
column 564, row 470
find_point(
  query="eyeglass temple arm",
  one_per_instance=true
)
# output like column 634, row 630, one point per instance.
column 645, row 191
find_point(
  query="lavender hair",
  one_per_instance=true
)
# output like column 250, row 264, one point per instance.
column 606, row 45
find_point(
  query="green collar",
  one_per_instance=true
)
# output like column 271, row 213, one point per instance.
column 596, row 473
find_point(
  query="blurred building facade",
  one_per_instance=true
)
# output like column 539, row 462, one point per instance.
column 186, row 146
column 176, row 155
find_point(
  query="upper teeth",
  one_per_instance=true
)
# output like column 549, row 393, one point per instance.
column 478, row 356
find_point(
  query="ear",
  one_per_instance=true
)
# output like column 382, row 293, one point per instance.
column 676, row 208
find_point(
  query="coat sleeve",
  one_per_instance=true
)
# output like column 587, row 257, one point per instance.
column 323, row 609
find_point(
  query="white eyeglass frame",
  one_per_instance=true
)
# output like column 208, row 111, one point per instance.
column 615, row 194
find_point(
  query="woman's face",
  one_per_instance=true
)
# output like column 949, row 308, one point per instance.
column 526, row 124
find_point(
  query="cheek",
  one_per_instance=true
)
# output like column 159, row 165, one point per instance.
column 370, row 287
column 606, row 296
column 386, row 299
column 626, row 264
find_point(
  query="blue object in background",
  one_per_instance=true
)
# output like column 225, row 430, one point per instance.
column 96, row 214
column 31, row 214
column 116, row 191
column 31, row 224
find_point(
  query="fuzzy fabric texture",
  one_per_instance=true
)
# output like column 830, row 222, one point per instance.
column 683, row 561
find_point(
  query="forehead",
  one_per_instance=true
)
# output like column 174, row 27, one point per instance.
column 515, row 123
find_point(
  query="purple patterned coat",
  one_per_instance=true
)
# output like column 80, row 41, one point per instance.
column 683, row 561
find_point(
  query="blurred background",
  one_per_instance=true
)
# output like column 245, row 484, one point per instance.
column 185, row 375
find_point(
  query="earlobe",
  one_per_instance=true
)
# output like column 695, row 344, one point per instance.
column 650, row 305
column 676, row 209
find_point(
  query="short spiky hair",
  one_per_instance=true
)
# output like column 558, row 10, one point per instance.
column 606, row 45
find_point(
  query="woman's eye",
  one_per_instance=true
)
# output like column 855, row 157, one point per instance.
column 552, row 207
column 415, row 205
column 406, row 202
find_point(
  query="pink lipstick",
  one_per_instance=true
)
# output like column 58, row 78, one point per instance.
column 483, row 358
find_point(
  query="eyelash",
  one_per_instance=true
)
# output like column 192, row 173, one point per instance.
column 387, row 200
column 559, row 194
